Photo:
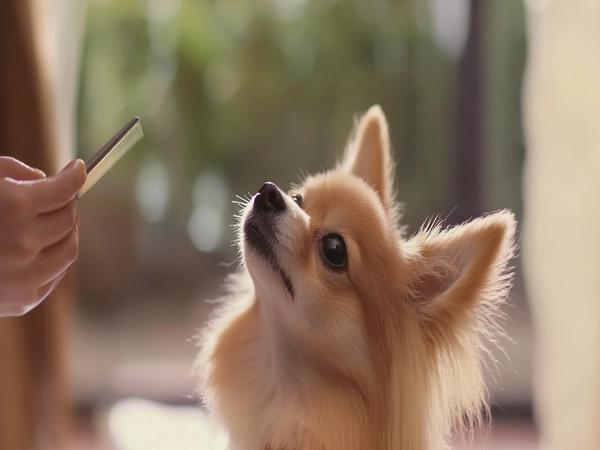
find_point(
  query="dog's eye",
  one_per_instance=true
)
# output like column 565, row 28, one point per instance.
column 298, row 199
column 333, row 249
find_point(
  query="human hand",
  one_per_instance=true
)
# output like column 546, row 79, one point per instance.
column 39, row 232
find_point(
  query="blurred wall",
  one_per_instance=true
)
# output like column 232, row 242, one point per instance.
column 561, row 237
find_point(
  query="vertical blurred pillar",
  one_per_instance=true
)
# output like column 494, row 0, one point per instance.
column 467, row 164
column 561, row 237
column 39, row 49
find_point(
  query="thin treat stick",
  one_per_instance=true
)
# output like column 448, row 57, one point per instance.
column 110, row 153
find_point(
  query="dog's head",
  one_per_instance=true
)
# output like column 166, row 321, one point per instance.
column 340, row 289
column 313, row 252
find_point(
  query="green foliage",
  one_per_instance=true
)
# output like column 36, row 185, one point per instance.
column 259, row 89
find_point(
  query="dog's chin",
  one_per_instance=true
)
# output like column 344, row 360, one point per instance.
column 266, row 276
column 259, row 240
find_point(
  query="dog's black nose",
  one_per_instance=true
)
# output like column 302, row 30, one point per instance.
column 269, row 198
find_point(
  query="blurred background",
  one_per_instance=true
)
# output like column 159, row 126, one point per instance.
column 232, row 93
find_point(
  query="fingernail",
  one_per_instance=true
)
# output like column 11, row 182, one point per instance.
column 77, row 162
column 83, row 166
column 42, row 174
column 72, row 164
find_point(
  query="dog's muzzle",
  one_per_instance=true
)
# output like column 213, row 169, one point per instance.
column 260, row 226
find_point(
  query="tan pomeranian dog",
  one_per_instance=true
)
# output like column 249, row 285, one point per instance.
column 340, row 333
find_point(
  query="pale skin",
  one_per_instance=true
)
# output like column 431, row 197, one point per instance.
column 39, row 232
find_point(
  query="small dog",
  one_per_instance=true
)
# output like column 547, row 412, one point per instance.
column 340, row 333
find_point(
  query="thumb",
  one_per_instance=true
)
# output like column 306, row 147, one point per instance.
column 13, row 168
column 54, row 192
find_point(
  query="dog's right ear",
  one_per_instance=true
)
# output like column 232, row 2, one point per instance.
column 368, row 155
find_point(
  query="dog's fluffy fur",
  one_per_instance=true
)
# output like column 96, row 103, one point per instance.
column 384, row 352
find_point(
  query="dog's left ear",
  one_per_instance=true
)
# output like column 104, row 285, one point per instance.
column 368, row 155
column 463, row 269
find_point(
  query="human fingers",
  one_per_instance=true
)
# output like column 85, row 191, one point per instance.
column 18, row 294
column 13, row 168
column 53, row 260
column 52, row 227
column 27, row 298
column 12, row 308
column 45, row 289
column 55, row 192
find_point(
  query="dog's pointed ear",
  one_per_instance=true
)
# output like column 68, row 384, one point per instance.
column 464, row 268
column 368, row 155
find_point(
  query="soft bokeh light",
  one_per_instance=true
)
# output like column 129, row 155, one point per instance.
column 210, row 189
column 450, row 25
column 205, row 228
column 138, row 424
column 206, row 224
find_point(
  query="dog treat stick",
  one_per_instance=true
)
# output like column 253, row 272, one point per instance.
column 111, row 152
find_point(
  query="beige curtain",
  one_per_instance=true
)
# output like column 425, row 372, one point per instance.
column 561, row 237
column 39, row 52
